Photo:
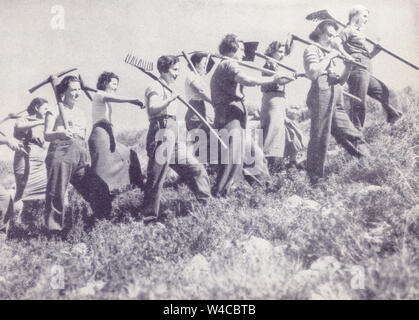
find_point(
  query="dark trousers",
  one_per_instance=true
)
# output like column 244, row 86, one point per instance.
column 328, row 117
column 192, row 173
column 66, row 162
column 361, row 84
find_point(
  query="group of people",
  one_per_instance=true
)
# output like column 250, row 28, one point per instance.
column 98, row 165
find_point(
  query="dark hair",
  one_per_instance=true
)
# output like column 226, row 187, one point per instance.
column 104, row 79
column 197, row 58
column 35, row 103
column 63, row 85
column 321, row 28
column 165, row 62
column 230, row 43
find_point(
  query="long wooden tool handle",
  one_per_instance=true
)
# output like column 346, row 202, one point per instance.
column 394, row 55
column 60, row 105
column 328, row 51
column 198, row 114
column 186, row 104
column 189, row 62
column 384, row 49
column 275, row 61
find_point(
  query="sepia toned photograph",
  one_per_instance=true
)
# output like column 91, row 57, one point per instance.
column 209, row 150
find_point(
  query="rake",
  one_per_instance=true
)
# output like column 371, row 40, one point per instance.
column 146, row 67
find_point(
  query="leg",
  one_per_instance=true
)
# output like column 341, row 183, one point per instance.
column 379, row 91
column 228, row 171
column 345, row 132
column 321, row 108
column 358, row 83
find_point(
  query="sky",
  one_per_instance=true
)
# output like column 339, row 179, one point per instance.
column 97, row 35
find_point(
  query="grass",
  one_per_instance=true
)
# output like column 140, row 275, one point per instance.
column 288, row 241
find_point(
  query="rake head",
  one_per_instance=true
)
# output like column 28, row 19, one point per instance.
column 139, row 63
column 319, row 16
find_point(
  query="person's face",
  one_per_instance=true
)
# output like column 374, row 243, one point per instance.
column 171, row 75
column 361, row 19
column 239, row 54
column 112, row 86
column 42, row 110
column 279, row 54
column 200, row 67
column 73, row 92
column 328, row 36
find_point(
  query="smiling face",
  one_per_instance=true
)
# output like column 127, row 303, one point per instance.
column 171, row 75
column 279, row 54
column 73, row 92
column 112, row 86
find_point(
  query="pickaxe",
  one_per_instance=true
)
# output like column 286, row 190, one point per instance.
column 251, row 52
column 86, row 89
column 53, row 79
column 324, row 15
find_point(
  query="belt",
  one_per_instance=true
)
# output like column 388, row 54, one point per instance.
column 165, row 116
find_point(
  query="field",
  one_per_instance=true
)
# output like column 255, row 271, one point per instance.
column 354, row 236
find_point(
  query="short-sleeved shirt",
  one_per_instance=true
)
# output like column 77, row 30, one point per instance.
column 354, row 41
column 157, row 89
column 224, row 89
column 33, row 135
column 76, row 119
column 101, row 109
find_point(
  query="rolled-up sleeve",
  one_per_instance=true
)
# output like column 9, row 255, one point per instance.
column 311, row 57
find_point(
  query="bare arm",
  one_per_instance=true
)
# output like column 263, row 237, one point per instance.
column 49, row 133
column 315, row 69
column 111, row 97
column 157, row 104
column 24, row 125
column 12, row 143
column 250, row 81
column 198, row 89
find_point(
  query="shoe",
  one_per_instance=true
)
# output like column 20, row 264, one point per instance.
column 149, row 219
column 392, row 119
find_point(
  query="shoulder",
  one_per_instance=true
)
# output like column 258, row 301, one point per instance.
column 346, row 32
column 311, row 51
column 153, row 88
column 99, row 95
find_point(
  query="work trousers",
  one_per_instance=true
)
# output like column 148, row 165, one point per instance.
column 68, row 162
column 189, row 169
column 328, row 117
column 361, row 83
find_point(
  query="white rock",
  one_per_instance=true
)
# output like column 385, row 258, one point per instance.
column 326, row 264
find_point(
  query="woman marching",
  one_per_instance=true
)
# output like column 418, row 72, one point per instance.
column 115, row 164
column 325, row 102
column 29, row 166
column 352, row 43
column 281, row 137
